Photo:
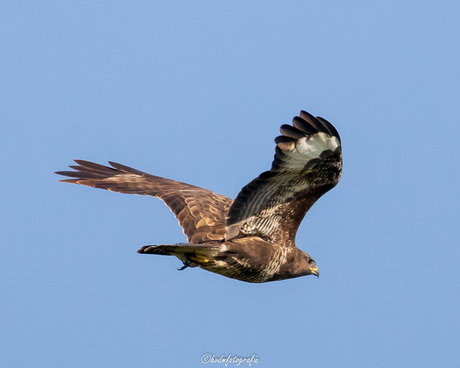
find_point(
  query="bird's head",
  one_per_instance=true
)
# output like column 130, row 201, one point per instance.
column 309, row 266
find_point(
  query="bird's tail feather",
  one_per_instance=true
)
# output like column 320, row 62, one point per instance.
column 191, row 255
column 164, row 249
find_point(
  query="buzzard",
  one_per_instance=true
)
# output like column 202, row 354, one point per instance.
column 251, row 238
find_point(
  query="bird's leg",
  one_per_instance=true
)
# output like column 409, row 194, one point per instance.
column 186, row 264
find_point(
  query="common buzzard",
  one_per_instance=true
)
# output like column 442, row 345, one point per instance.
column 251, row 238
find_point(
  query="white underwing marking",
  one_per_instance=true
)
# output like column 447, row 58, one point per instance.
column 221, row 264
column 309, row 148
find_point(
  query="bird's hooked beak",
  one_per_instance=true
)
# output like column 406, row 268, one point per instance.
column 314, row 270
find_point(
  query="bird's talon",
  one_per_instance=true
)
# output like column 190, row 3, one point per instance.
column 186, row 264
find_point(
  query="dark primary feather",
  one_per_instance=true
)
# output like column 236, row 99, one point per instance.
column 253, row 237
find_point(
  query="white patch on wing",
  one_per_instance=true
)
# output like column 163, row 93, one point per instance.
column 309, row 148
column 333, row 143
column 221, row 264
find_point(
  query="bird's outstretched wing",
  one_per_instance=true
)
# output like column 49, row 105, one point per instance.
column 200, row 212
column 308, row 163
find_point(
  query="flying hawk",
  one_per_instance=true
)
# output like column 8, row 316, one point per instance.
column 251, row 238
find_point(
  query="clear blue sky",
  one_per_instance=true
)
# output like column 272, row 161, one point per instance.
column 196, row 91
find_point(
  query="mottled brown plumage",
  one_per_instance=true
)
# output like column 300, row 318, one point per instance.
column 253, row 237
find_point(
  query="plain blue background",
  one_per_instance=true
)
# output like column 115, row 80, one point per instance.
column 196, row 91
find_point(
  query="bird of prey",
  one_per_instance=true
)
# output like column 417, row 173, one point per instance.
column 250, row 238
